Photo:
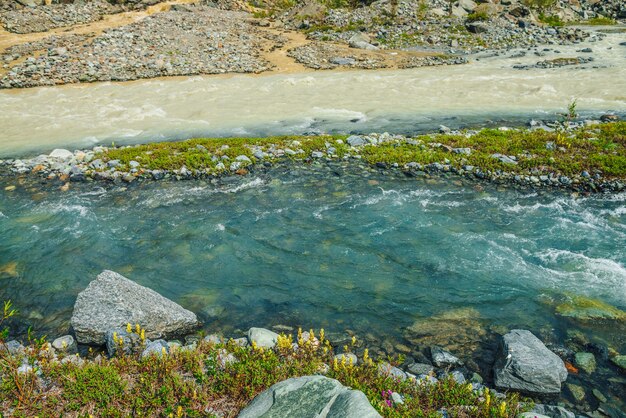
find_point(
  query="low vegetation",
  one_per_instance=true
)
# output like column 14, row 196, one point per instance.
column 598, row 21
column 215, row 380
column 551, row 20
column 594, row 149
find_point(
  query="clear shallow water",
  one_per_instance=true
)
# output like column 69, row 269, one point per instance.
column 323, row 247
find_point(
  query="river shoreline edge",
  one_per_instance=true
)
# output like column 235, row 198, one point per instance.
column 550, row 156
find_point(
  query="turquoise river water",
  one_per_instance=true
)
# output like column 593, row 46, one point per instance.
column 327, row 246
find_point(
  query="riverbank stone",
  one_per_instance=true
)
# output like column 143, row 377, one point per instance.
column 112, row 301
column 262, row 337
column 349, row 358
column 552, row 411
column 386, row 369
column 65, row 344
column 156, row 348
column 525, row 364
column 420, row 368
column 61, row 154
column 309, row 397
column 443, row 358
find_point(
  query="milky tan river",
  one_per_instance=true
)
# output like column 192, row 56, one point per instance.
column 40, row 119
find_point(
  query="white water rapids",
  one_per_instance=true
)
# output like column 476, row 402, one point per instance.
column 40, row 119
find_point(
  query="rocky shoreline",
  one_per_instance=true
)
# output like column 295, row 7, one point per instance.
column 120, row 318
column 62, row 167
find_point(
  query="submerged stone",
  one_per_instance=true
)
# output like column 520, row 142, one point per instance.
column 310, row 397
column 620, row 361
column 9, row 269
column 459, row 330
column 112, row 301
column 577, row 391
column 585, row 362
column 583, row 309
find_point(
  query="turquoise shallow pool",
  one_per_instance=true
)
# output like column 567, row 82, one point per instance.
column 391, row 258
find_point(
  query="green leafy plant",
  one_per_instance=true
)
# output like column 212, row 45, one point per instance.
column 7, row 313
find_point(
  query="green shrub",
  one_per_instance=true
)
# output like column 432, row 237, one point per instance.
column 478, row 16
column 552, row 20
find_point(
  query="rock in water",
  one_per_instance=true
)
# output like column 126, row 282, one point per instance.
column 310, row 396
column 111, row 301
column 525, row 364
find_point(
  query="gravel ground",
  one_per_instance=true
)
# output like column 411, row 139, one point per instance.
column 181, row 42
column 44, row 18
column 325, row 56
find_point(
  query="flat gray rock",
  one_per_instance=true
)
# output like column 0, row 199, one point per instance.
column 111, row 301
column 525, row 364
column 310, row 397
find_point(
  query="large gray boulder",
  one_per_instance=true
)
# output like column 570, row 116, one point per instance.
column 111, row 301
column 524, row 363
column 310, row 397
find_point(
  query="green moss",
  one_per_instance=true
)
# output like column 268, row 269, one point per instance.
column 600, row 148
column 583, row 308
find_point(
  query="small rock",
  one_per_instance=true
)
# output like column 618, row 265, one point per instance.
column 262, row 337
column 156, row 348
column 443, row 358
column 420, row 368
column 386, row 369
column 585, row 362
column 577, row 391
column 350, row 358
column 65, row 344
column 620, row 361
column 212, row 339
column 355, row 141
column 61, row 154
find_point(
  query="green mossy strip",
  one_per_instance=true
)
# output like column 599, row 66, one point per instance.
column 598, row 149
column 195, row 383
column 583, row 308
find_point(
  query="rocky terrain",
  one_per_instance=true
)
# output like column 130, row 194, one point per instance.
column 122, row 319
column 204, row 41
column 178, row 38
